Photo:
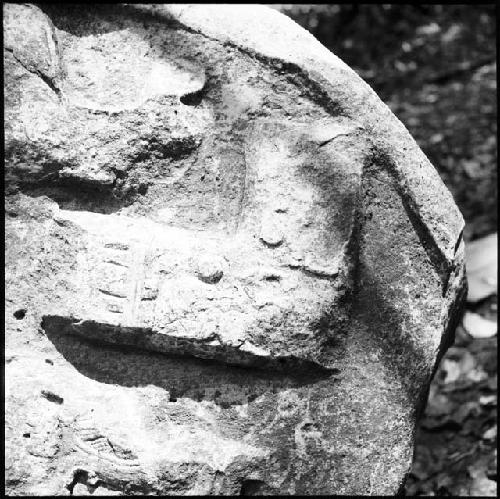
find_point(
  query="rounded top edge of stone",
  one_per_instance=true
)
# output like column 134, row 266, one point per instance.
column 259, row 28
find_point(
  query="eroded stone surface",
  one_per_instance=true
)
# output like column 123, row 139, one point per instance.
column 229, row 268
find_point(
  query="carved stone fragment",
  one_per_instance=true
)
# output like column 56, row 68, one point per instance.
column 228, row 264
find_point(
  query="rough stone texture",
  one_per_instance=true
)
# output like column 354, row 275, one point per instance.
column 229, row 268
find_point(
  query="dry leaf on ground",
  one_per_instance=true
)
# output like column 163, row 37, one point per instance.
column 482, row 264
column 478, row 327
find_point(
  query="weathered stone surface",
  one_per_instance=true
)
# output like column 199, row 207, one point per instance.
column 229, row 268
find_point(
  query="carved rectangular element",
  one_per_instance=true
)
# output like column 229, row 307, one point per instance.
column 145, row 284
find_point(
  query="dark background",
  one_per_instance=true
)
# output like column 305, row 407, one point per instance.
column 435, row 67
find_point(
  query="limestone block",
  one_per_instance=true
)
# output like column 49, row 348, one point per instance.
column 229, row 267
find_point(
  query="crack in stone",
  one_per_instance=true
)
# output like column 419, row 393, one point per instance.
column 48, row 81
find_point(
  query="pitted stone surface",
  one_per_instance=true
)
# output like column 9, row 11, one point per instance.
column 229, row 268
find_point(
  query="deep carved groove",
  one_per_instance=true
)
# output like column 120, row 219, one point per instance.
column 439, row 261
column 146, row 339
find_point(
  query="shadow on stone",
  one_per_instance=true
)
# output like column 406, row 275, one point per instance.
column 180, row 376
